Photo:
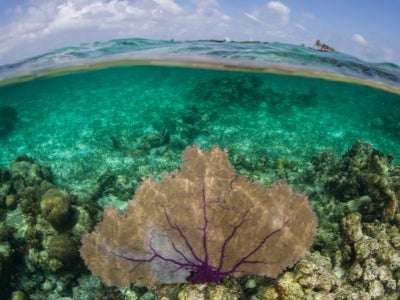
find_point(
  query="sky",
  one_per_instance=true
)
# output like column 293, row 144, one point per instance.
column 367, row 29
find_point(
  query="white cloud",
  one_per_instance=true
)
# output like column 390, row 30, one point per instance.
column 36, row 26
column 272, row 22
column 359, row 39
column 272, row 13
column 279, row 9
column 252, row 17
column 300, row 26
column 43, row 25
column 308, row 15
column 169, row 6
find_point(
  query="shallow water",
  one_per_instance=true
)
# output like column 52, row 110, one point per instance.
column 84, row 124
column 92, row 116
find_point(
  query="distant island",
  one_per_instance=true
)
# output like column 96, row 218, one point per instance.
column 322, row 47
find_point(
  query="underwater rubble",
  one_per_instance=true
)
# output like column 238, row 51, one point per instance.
column 355, row 254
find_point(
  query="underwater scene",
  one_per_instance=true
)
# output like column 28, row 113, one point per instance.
column 138, row 169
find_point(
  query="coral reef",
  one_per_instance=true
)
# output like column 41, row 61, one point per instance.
column 355, row 253
column 364, row 179
column 230, row 90
column 372, row 257
column 40, row 230
column 367, row 267
column 200, row 224
column 63, row 248
column 55, row 207
column 248, row 91
column 364, row 171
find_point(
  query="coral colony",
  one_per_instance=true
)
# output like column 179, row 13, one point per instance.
column 202, row 223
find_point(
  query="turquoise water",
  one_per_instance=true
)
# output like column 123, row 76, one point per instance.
column 129, row 108
column 84, row 124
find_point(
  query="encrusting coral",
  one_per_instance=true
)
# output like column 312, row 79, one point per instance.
column 39, row 233
column 200, row 224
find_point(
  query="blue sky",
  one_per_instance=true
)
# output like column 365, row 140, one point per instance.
column 363, row 28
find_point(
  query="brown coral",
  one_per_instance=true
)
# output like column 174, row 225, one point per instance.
column 201, row 223
column 55, row 206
